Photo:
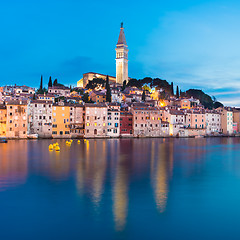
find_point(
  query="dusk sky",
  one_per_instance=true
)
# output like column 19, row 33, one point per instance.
column 195, row 44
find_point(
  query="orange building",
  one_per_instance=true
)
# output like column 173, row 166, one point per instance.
column 3, row 120
column 61, row 121
column 17, row 122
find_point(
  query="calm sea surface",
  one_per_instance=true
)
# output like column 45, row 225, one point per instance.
column 121, row 189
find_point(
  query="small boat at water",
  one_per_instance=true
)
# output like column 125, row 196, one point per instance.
column 32, row 136
column 3, row 140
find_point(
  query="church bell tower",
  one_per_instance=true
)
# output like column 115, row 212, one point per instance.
column 121, row 58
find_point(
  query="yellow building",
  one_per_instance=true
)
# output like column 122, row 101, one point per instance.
column 61, row 121
column 3, row 120
column 90, row 76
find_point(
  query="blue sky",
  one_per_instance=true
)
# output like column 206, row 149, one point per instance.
column 195, row 44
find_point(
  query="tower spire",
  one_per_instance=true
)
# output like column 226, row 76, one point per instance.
column 121, row 57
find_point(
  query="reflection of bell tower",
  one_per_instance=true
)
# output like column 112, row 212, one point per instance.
column 121, row 58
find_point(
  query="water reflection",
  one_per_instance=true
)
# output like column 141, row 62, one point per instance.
column 91, row 170
column 120, row 189
column 13, row 164
column 108, row 174
column 161, row 172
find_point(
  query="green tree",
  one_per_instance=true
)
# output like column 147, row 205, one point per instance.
column 108, row 94
column 143, row 96
column 124, row 85
column 50, row 82
column 41, row 83
column 34, row 96
column 172, row 91
column 55, row 83
column 177, row 92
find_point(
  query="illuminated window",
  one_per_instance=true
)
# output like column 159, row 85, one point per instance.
column 95, row 124
column 88, row 124
column 104, row 124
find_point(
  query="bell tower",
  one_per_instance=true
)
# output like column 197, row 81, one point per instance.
column 121, row 58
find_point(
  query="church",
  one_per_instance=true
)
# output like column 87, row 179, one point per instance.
column 121, row 64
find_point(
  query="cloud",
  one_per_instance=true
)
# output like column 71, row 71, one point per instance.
column 197, row 48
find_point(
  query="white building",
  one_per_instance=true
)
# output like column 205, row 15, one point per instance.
column 113, row 126
column 213, row 122
column 40, row 118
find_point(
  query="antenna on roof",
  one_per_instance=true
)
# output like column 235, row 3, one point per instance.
column 121, row 24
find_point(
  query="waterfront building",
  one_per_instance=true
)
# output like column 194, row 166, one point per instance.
column 126, row 124
column 213, row 122
column 164, row 129
column 121, row 58
column 235, row 128
column 226, row 120
column 236, row 118
column 77, row 113
column 17, row 121
column 95, row 120
column 61, row 121
column 59, row 91
column 146, row 121
column 40, row 118
column 3, row 120
column 176, row 119
column 113, row 122
column 196, row 119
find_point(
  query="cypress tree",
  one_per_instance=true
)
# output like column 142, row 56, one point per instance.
column 124, row 85
column 41, row 83
column 172, row 91
column 108, row 94
column 177, row 92
column 55, row 83
column 50, row 82
column 143, row 96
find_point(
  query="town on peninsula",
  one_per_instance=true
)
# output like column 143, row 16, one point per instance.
column 103, row 106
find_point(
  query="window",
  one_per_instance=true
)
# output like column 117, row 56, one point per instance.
column 116, row 124
column 54, row 125
column 54, row 132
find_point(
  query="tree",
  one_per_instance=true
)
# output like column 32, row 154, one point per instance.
column 177, row 92
column 55, row 83
column 108, row 94
column 34, row 96
column 172, row 91
column 143, row 96
column 124, row 85
column 50, row 82
column 41, row 83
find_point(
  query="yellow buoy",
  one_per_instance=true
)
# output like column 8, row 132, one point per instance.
column 78, row 141
column 50, row 147
column 57, row 149
column 57, row 144
column 71, row 140
column 54, row 145
column 85, row 140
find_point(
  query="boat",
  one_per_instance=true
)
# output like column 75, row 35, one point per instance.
column 32, row 136
column 3, row 140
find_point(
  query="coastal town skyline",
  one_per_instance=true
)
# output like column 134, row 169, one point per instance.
column 188, row 53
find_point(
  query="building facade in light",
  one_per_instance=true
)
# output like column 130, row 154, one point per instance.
column 121, row 58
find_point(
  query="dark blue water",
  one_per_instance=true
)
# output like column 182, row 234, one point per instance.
column 121, row 189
